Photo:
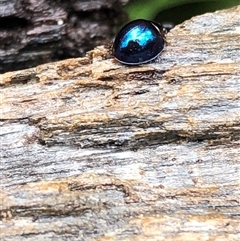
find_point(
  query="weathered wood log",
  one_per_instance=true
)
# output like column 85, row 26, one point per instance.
column 95, row 150
column 33, row 32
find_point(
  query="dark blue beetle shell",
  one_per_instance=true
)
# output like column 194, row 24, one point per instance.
column 138, row 42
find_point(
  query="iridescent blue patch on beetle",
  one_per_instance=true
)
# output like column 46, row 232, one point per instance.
column 138, row 42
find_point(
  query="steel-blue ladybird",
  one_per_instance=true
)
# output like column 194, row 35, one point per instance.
column 139, row 42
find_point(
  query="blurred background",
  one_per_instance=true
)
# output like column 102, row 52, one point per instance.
column 175, row 11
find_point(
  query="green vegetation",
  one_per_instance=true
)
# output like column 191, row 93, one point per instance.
column 175, row 11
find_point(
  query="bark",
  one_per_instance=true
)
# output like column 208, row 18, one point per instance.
column 95, row 150
column 33, row 32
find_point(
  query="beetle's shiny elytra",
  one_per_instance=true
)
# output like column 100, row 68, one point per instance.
column 138, row 42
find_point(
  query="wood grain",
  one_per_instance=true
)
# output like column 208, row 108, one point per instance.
column 95, row 150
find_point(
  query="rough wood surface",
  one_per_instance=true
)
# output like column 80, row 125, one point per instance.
column 33, row 32
column 94, row 150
